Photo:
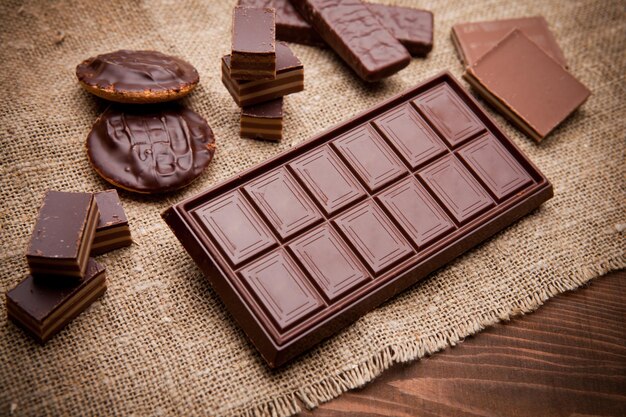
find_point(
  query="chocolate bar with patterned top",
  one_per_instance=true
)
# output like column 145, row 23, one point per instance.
column 305, row 243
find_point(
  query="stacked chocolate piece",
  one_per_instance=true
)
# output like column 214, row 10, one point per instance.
column 518, row 67
column 353, row 29
column 64, row 279
column 259, row 72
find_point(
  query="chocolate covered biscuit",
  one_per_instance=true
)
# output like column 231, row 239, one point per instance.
column 128, row 76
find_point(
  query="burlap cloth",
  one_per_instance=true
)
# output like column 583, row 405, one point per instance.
column 160, row 342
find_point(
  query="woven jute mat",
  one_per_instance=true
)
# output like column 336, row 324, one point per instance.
column 160, row 342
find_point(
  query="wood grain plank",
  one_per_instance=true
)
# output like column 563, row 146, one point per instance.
column 566, row 359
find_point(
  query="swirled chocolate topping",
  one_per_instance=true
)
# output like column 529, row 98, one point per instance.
column 150, row 150
column 134, row 73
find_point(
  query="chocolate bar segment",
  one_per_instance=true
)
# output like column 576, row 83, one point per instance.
column 43, row 309
column 253, row 55
column 529, row 87
column 63, row 235
column 263, row 121
column 412, row 27
column 307, row 242
column 472, row 40
column 355, row 34
column 112, row 231
column 289, row 79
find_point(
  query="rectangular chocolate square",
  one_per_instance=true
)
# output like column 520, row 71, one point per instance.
column 528, row 86
column 263, row 120
column 370, row 157
column 366, row 242
column 63, row 235
column 112, row 231
column 330, row 182
column 472, row 40
column 289, row 79
column 43, row 307
column 253, row 53
column 457, row 190
column 285, row 205
column 353, row 32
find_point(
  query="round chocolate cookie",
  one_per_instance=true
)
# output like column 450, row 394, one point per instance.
column 150, row 150
column 137, row 76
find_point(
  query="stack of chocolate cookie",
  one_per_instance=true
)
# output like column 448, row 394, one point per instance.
column 518, row 67
column 145, row 143
column 259, row 72
column 65, row 279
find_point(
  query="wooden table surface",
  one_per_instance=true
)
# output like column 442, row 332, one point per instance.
column 566, row 359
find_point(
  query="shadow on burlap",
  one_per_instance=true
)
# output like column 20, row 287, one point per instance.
column 160, row 341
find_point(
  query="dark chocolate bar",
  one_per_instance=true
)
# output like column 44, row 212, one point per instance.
column 307, row 242
column 412, row 27
column 253, row 55
column 355, row 34
column 43, row 307
column 63, row 235
column 112, row 231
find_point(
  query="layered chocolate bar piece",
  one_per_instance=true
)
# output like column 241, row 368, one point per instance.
column 112, row 231
column 528, row 86
column 356, row 35
column 472, row 40
column 63, row 235
column 263, row 121
column 289, row 79
column 253, row 55
column 304, row 244
column 43, row 308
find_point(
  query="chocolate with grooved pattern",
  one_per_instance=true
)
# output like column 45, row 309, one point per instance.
column 43, row 308
column 112, row 231
column 307, row 242
column 354, row 33
column 63, row 235
column 529, row 87
column 412, row 27
column 150, row 149
column 253, row 55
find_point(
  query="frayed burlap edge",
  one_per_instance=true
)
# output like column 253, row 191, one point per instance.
column 368, row 370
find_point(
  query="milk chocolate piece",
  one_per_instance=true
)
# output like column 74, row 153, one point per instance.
column 529, row 87
column 472, row 40
column 355, row 34
column 112, row 231
column 412, row 27
column 63, row 235
column 253, row 55
column 43, row 309
column 150, row 149
column 289, row 79
column 263, row 121
column 307, row 242
column 137, row 76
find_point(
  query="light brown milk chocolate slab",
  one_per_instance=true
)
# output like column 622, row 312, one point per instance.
column 528, row 86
